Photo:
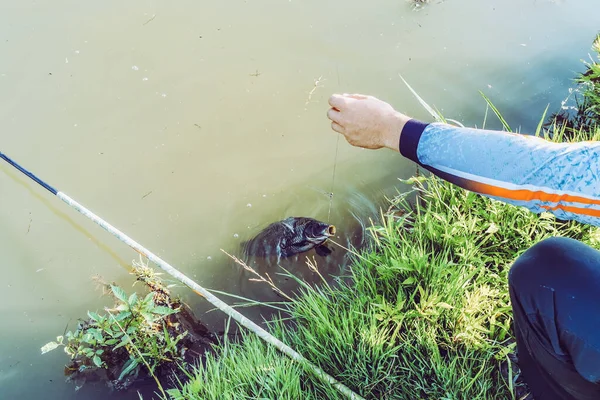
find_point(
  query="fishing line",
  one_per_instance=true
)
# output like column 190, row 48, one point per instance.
column 337, row 145
column 333, row 177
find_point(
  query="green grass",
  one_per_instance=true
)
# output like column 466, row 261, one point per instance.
column 251, row 370
column 424, row 313
column 586, row 115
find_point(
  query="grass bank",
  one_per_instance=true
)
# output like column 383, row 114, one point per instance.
column 424, row 313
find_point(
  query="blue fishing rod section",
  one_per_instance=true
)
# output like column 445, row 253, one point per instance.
column 29, row 174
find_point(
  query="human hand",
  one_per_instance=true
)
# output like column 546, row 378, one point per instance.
column 366, row 121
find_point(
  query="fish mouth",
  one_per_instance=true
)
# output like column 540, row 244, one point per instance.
column 330, row 231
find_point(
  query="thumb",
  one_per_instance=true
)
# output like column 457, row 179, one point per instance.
column 356, row 96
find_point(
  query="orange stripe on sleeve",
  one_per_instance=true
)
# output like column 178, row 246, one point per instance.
column 575, row 210
column 524, row 194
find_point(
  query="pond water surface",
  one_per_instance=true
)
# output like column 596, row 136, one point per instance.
column 190, row 125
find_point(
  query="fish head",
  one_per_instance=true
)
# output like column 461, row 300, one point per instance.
column 318, row 232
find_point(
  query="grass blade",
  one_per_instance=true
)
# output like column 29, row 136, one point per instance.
column 495, row 110
column 541, row 123
column 430, row 110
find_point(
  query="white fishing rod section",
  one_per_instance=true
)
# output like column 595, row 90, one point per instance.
column 263, row 334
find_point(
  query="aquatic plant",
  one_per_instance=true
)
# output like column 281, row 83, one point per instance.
column 137, row 337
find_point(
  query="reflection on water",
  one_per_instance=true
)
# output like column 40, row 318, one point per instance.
column 191, row 128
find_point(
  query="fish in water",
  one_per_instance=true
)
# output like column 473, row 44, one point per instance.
column 289, row 237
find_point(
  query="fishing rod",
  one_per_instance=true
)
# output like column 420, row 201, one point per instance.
column 263, row 334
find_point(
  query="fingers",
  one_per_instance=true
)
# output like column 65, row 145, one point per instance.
column 337, row 127
column 357, row 96
column 334, row 115
column 340, row 100
column 341, row 105
column 337, row 101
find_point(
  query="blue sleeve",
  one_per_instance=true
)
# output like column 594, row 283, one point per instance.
column 523, row 170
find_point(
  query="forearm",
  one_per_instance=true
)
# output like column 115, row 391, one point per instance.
column 518, row 169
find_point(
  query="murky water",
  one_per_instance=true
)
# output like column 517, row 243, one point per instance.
column 192, row 125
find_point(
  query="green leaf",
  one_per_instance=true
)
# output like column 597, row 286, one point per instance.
column 122, row 316
column 162, row 310
column 93, row 316
column 87, row 338
column 149, row 297
column 123, row 343
column 99, row 352
column 409, row 281
column 123, row 307
column 110, row 342
column 148, row 317
column 119, row 293
column 132, row 299
column 413, row 180
column 98, row 336
column 92, row 331
column 97, row 361
column 128, row 367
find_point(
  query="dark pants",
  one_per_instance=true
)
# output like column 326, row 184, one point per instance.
column 555, row 294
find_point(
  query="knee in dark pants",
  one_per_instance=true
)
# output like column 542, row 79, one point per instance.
column 554, row 290
column 546, row 261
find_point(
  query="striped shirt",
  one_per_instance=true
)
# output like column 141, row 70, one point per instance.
column 523, row 170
